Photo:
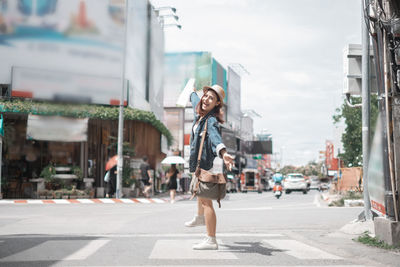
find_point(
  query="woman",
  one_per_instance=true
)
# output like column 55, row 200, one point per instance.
column 208, row 109
column 172, row 184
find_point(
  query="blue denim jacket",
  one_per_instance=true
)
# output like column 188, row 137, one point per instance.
column 212, row 143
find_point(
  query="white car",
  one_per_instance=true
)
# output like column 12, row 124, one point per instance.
column 295, row 182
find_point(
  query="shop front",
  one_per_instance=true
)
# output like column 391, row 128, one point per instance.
column 37, row 149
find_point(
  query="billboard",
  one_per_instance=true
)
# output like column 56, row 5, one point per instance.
column 256, row 147
column 219, row 76
column 136, row 54
column 156, row 69
column 73, row 37
column 180, row 68
column 56, row 128
column 376, row 175
column 234, row 110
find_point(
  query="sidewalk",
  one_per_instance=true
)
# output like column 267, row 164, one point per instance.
column 153, row 200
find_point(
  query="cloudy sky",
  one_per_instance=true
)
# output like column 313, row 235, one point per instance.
column 293, row 50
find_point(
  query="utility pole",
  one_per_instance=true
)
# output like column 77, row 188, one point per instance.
column 120, row 163
column 366, row 95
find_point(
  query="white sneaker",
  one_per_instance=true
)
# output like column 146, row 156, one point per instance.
column 198, row 220
column 209, row 243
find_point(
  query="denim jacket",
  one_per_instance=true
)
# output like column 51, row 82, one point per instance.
column 212, row 142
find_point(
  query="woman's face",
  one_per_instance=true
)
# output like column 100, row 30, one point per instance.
column 209, row 101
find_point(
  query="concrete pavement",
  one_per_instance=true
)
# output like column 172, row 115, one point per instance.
column 253, row 230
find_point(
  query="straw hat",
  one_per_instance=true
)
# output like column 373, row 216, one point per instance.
column 218, row 89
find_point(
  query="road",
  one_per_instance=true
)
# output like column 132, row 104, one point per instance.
column 253, row 230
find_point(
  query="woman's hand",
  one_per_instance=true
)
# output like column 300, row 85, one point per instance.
column 228, row 160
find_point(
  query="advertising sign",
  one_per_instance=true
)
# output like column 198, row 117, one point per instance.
column 234, row 111
column 219, row 76
column 66, row 36
column 64, row 87
column 56, row 128
column 256, row 147
column 156, row 80
column 376, row 176
column 180, row 68
column 136, row 55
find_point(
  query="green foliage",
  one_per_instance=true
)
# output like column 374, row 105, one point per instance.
column 76, row 170
column 48, row 172
column 127, row 180
column 366, row 239
column 352, row 137
column 312, row 168
column 83, row 111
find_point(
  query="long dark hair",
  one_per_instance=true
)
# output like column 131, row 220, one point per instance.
column 219, row 113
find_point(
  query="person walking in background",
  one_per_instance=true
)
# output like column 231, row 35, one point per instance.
column 145, row 173
column 172, row 184
column 208, row 110
column 112, row 182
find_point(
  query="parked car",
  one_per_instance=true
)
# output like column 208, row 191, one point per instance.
column 324, row 184
column 295, row 182
column 315, row 183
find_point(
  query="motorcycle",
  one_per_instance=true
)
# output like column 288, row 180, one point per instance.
column 277, row 190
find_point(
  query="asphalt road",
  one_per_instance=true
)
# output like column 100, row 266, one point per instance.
column 253, row 229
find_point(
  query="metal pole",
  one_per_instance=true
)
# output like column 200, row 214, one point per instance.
column 120, row 163
column 365, row 109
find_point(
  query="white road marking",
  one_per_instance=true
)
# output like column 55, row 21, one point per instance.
column 300, row 250
column 85, row 201
column 61, row 201
column 248, row 209
column 182, row 249
column 87, row 250
column 226, row 265
column 143, row 200
column 126, row 200
column 157, row 200
column 6, row 202
column 34, row 201
column 107, row 201
column 56, row 250
column 188, row 235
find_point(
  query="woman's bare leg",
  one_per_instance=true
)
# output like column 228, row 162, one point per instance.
column 200, row 209
column 210, row 217
column 172, row 194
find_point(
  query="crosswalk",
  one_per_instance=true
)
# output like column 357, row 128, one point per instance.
column 162, row 250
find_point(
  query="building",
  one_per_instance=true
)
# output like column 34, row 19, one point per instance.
column 206, row 70
column 63, row 66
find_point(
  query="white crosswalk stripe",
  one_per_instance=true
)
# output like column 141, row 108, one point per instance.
column 300, row 250
column 179, row 247
column 182, row 249
column 67, row 247
column 87, row 250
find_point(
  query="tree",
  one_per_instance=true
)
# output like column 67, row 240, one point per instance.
column 311, row 169
column 352, row 136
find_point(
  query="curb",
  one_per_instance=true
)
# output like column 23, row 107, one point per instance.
column 94, row 201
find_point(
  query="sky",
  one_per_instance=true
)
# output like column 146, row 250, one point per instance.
column 293, row 51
